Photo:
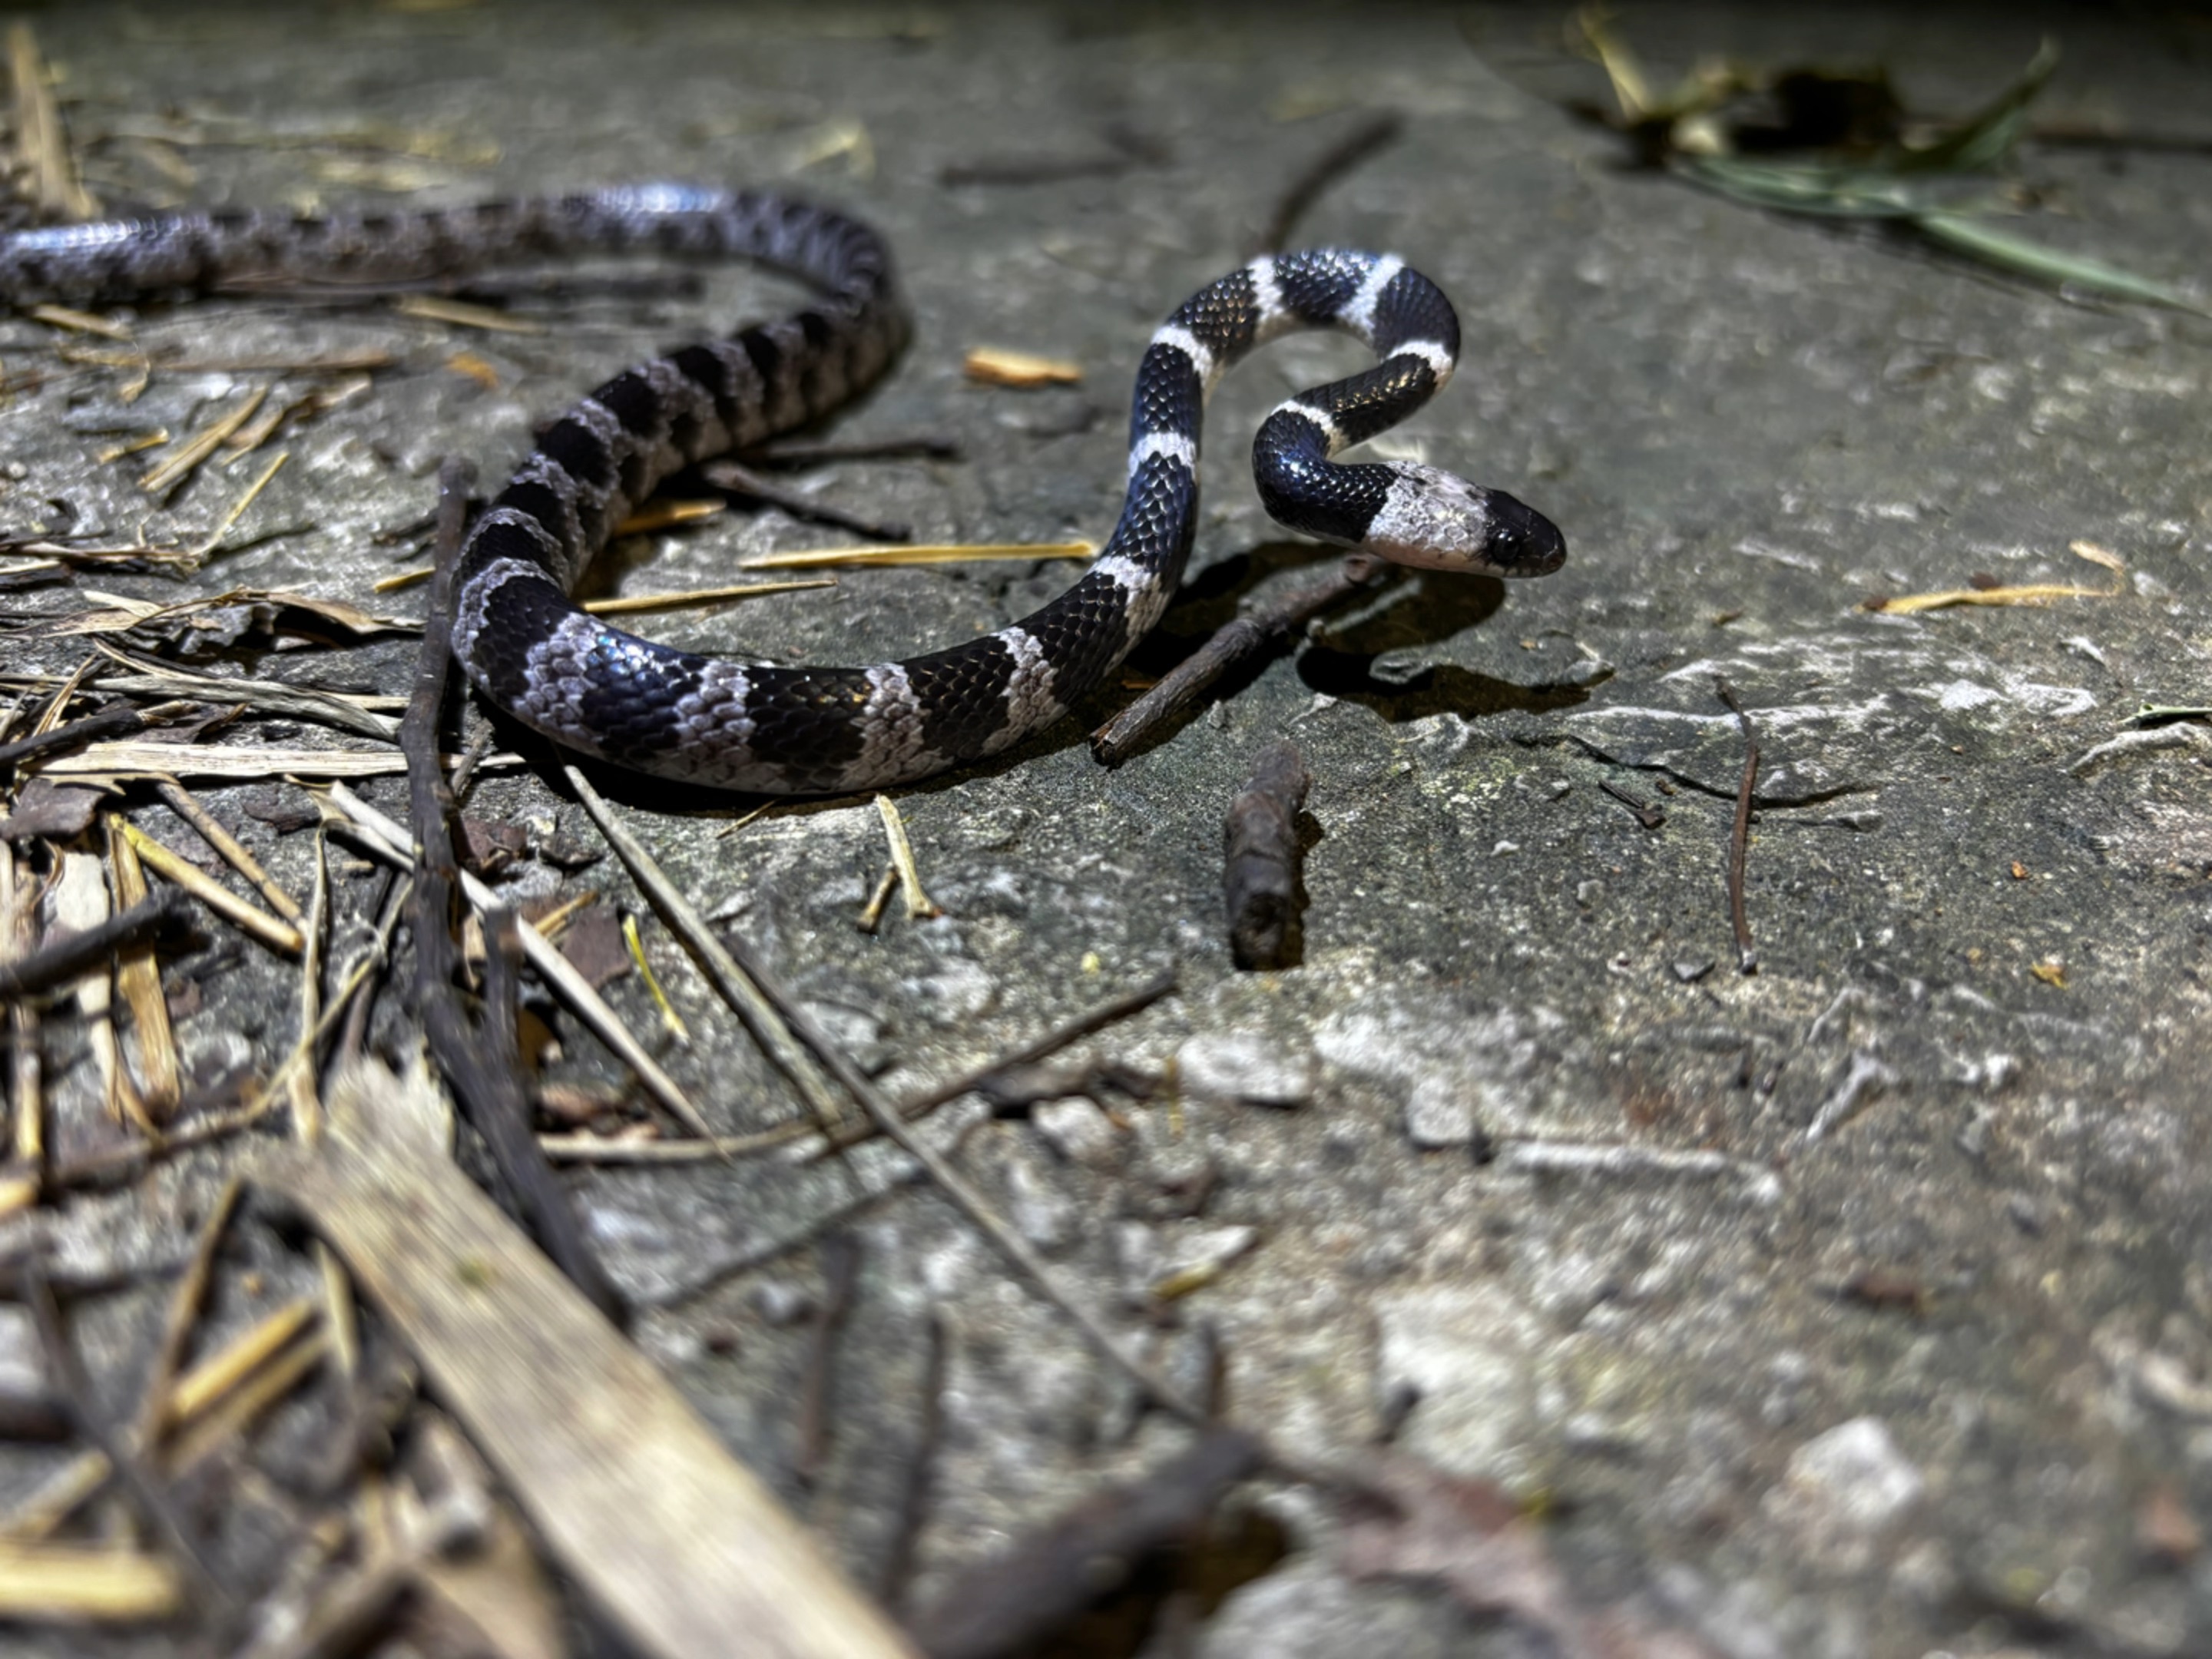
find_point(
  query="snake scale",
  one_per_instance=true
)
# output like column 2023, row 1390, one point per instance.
column 815, row 731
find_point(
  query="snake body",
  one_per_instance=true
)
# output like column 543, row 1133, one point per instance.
column 813, row 731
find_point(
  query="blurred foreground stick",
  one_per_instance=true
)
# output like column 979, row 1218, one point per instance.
column 633, row 1496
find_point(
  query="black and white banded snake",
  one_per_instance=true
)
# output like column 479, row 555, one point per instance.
column 806, row 731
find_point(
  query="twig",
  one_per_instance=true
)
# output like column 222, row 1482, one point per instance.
column 730, row 962
column 180, row 801
column 185, row 1302
column 920, row 907
column 841, row 1273
column 1324, row 170
column 379, row 834
column 278, row 935
column 638, row 604
column 74, row 1389
column 726, row 474
column 68, row 958
column 1650, row 816
column 1028, row 1054
column 1746, row 958
column 736, row 984
column 26, row 1138
column 881, row 449
column 811, row 558
column 116, row 722
column 1260, row 859
column 1179, row 692
column 480, row 1063
column 872, row 913
column 891, row 1582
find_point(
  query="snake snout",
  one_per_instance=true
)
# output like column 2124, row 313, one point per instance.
column 1438, row 521
column 1521, row 541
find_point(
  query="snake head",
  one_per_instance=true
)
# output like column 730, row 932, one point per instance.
column 1439, row 521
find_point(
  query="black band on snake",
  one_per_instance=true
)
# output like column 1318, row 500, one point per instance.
column 827, row 730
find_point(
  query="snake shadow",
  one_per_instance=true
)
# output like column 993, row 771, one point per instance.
column 1343, row 656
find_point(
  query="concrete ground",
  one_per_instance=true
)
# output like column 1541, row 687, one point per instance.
column 1859, row 1305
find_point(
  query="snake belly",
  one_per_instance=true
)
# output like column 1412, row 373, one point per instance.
column 535, row 655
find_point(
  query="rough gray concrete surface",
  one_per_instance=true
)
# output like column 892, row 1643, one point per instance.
column 1525, row 1143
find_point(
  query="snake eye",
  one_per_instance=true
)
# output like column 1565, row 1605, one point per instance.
column 1522, row 541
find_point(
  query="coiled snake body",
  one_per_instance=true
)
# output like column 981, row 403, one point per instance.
column 803, row 731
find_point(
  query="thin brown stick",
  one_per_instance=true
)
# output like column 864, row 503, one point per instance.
column 480, row 1062
column 1051, row 1042
column 113, row 722
column 1260, row 860
column 735, row 984
column 841, row 1273
column 185, row 1305
column 26, row 1132
column 1187, row 684
column 66, row 959
column 74, row 1389
column 379, row 836
column 893, row 1580
column 728, row 960
column 1746, row 958
column 1324, row 170
column 1650, row 816
column 881, row 449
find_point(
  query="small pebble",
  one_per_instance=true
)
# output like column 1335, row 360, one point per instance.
column 1846, row 1487
column 779, row 1303
column 1075, row 1128
column 1440, row 1112
column 1229, row 1069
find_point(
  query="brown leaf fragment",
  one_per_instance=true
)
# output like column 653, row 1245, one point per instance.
column 56, row 811
column 565, row 852
column 493, row 846
column 1898, row 1288
column 1008, row 1605
column 595, row 946
column 1469, row 1538
column 286, row 816
column 2165, row 1530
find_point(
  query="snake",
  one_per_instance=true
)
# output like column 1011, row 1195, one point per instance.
column 535, row 655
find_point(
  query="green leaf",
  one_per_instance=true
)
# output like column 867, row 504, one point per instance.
column 1851, row 192
column 1984, row 240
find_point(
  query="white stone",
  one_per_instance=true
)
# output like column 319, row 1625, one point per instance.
column 1075, row 1128
column 1231, row 1069
column 1843, row 1490
column 1470, row 1357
